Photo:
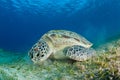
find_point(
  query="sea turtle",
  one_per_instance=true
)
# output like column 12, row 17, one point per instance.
column 61, row 44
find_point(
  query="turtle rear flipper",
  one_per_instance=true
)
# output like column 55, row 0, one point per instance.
column 79, row 53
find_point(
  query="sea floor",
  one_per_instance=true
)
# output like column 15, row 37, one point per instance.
column 104, row 66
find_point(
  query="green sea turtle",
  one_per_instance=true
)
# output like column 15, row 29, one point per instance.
column 61, row 44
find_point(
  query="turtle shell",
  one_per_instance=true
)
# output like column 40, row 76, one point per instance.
column 63, row 38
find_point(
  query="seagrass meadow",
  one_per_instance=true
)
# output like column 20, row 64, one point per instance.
column 104, row 66
column 24, row 22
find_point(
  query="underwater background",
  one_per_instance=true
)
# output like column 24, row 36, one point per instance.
column 23, row 22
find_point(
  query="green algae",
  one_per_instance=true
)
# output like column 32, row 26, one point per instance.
column 4, row 76
column 104, row 66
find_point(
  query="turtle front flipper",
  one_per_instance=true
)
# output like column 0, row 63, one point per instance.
column 79, row 53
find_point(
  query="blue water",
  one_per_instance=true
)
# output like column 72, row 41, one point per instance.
column 23, row 22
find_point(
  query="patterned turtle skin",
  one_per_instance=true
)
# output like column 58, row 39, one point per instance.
column 61, row 44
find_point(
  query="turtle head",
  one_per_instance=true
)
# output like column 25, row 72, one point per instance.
column 40, row 52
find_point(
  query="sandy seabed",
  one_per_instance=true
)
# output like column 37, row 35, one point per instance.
column 104, row 66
